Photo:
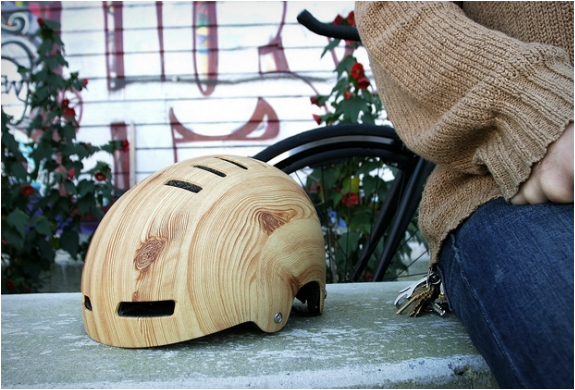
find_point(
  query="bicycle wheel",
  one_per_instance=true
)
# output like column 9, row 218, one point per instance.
column 358, row 177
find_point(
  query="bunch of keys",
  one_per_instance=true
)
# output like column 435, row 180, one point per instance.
column 424, row 295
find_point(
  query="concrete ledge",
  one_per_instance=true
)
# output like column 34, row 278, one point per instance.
column 359, row 342
column 64, row 276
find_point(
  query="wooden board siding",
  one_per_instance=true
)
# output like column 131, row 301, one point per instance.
column 190, row 78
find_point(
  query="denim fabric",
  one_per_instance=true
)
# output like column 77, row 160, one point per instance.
column 508, row 275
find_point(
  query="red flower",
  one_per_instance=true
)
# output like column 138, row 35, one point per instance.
column 65, row 103
column 350, row 199
column 313, row 100
column 363, row 83
column 368, row 277
column 72, row 173
column 338, row 20
column 85, row 81
column 100, row 176
column 27, row 190
column 69, row 112
column 40, row 22
column 317, row 118
column 347, row 95
column 314, row 188
column 10, row 285
column 125, row 146
column 351, row 18
column 356, row 71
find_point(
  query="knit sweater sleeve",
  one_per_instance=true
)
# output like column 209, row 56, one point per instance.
column 464, row 96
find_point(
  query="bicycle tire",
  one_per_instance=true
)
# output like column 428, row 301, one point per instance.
column 326, row 146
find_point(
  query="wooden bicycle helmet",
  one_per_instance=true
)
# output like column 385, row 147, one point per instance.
column 199, row 247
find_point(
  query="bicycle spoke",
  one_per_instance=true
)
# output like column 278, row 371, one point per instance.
column 331, row 163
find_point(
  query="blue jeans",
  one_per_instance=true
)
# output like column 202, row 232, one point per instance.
column 508, row 275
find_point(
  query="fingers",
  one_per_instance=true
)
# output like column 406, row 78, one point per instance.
column 551, row 179
column 530, row 192
column 546, row 185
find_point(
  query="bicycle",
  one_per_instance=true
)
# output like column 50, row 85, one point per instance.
column 313, row 156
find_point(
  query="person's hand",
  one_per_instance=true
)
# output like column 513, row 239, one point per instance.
column 552, row 178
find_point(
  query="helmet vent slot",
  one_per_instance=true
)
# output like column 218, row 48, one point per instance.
column 237, row 164
column 87, row 303
column 184, row 185
column 211, row 170
column 146, row 309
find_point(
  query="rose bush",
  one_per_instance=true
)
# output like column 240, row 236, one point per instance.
column 353, row 190
column 46, row 188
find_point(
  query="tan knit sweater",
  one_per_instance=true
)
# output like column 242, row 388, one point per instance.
column 480, row 88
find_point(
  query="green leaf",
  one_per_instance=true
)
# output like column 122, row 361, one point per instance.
column 68, row 132
column 348, row 241
column 361, row 221
column 68, row 150
column 50, row 165
column 332, row 45
column 40, row 76
column 82, row 152
column 47, row 252
column 8, row 140
column 18, row 220
column 85, row 187
column 69, row 241
column 63, row 206
column 98, row 213
column 52, row 24
column 40, row 96
column 35, row 124
column 322, row 99
column 329, row 176
column 371, row 184
column 84, row 204
column 42, row 225
column 111, row 146
column 368, row 118
column 22, row 70
column 53, row 196
column 32, row 268
column 70, row 187
column 50, row 117
column 13, row 239
column 76, row 164
column 345, row 65
column 43, row 150
column 54, row 79
column 337, row 198
column 52, row 64
column 353, row 107
column 45, row 46
column 61, row 59
column 18, row 171
column 339, row 89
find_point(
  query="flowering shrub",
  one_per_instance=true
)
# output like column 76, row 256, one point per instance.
column 46, row 189
column 352, row 99
column 354, row 189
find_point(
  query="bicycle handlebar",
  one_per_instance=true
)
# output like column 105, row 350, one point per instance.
column 327, row 29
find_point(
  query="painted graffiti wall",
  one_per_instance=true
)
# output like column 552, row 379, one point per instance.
column 181, row 79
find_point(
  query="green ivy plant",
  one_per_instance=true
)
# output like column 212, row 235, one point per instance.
column 47, row 191
column 353, row 191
